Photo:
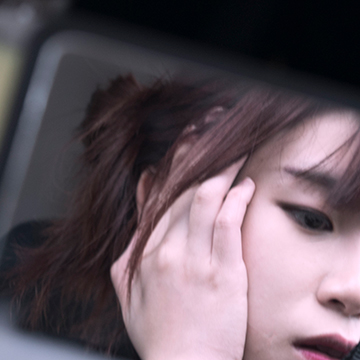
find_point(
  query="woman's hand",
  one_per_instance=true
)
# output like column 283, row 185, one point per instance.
column 189, row 297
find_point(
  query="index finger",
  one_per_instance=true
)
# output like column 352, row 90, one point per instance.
column 227, row 242
column 206, row 205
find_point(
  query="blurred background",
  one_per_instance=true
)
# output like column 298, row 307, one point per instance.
column 314, row 37
column 19, row 21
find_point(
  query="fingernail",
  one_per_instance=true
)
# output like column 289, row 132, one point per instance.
column 249, row 184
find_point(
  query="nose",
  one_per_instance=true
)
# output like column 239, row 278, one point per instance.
column 340, row 288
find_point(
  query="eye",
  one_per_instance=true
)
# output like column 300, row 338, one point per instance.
column 308, row 218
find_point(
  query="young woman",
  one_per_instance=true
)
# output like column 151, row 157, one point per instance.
column 223, row 218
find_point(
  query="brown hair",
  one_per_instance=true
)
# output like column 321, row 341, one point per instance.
column 129, row 128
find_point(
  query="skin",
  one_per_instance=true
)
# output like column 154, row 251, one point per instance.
column 303, row 281
column 205, row 289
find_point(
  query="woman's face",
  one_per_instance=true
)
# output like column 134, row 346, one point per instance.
column 302, row 256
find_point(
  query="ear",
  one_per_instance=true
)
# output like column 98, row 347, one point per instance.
column 143, row 188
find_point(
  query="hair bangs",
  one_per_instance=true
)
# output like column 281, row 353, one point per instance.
column 346, row 193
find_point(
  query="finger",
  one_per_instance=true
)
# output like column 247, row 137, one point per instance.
column 227, row 245
column 207, row 202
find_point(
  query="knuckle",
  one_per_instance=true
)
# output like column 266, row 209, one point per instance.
column 224, row 221
column 167, row 258
column 238, row 193
column 213, row 280
column 201, row 275
column 205, row 194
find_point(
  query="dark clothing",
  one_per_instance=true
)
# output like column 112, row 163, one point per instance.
column 355, row 354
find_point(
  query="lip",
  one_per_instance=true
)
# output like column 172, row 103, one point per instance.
column 324, row 347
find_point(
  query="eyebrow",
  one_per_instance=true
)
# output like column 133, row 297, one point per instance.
column 314, row 177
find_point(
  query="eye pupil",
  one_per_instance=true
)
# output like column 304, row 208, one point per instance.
column 313, row 221
column 308, row 218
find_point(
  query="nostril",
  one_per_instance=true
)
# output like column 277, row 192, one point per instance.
column 346, row 308
column 336, row 303
column 341, row 293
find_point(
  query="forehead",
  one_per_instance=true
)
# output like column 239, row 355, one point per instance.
column 318, row 141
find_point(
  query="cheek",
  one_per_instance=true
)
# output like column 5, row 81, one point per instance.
column 276, row 259
column 269, row 243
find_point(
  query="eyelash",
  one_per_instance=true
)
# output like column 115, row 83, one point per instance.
column 308, row 218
